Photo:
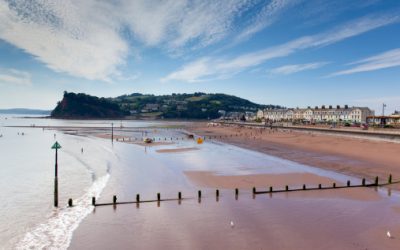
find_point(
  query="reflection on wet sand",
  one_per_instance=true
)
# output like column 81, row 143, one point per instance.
column 356, row 218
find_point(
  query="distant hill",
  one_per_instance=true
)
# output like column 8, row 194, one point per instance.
column 85, row 106
column 22, row 111
column 181, row 106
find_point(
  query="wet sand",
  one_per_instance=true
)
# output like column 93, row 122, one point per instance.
column 175, row 150
column 356, row 218
column 362, row 158
column 293, row 180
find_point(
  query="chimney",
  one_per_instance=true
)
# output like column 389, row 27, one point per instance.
column 323, row 107
column 316, row 107
column 346, row 106
column 338, row 106
column 330, row 106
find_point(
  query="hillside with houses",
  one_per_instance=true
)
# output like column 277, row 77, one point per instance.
column 175, row 106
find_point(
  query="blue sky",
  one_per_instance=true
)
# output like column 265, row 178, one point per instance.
column 295, row 53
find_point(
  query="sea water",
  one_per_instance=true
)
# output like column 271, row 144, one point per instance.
column 27, row 168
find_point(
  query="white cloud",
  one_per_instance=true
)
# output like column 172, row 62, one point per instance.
column 92, row 39
column 267, row 15
column 383, row 60
column 191, row 72
column 215, row 67
column 15, row 77
column 294, row 68
column 175, row 23
column 67, row 38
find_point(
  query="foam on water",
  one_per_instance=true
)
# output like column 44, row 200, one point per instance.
column 56, row 232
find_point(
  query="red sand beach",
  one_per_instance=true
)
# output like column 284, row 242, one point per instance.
column 356, row 218
column 363, row 158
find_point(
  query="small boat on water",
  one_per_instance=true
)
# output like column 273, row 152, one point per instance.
column 147, row 140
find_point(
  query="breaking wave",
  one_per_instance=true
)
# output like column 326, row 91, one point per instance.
column 56, row 232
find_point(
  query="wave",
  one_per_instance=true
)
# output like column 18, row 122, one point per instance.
column 56, row 232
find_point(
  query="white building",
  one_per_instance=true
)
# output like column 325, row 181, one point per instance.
column 319, row 114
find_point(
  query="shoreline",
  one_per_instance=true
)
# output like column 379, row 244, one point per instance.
column 358, row 157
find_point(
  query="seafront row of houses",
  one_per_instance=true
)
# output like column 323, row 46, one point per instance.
column 317, row 114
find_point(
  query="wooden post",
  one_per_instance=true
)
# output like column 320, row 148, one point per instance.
column 348, row 183
column 390, row 179
column 138, row 198
column 70, row 202
column 270, row 189
column 334, row 185
column 376, row 181
column 236, row 191
column 287, row 188
column 319, row 186
column 114, row 199
column 304, row 187
column 158, row 196
column 112, row 131
column 363, row 182
column 179, row 195
column 217, row 193
column 94, row 201
column 199, row 194
column 254, row 190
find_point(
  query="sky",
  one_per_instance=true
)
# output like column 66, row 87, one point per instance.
column 294, row 53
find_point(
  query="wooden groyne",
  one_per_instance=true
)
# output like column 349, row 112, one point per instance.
column 270, row 190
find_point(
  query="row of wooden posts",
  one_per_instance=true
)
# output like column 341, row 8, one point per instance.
column 254, row 191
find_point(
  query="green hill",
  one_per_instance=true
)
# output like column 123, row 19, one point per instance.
column 85, row 106
column 136, row 105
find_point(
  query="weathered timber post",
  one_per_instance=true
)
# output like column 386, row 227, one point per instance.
column 271, row 189
column 179, row 195
column 287, row 188
column 254, row 190
column 334, row 185
column 363, row 182
column 70, row 202
column 390, row 179
column 217, row 193
column 137, row 198
column 114, row 199
column 376, row 181
column 319, row 186
column 348, row 183
column 158, row 196
column 199, row 194
column 94, row 201
column 304, row 187
column 236, row 191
